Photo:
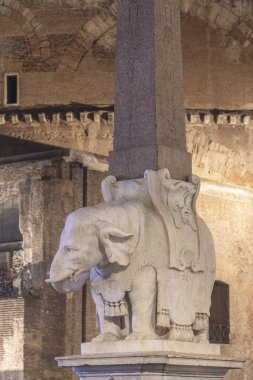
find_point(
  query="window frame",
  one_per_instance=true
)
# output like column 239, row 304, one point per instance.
column 14, row 242
column 6, row 75
column 228, row 320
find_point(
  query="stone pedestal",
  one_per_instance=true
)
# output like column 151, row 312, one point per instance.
column 148, row 360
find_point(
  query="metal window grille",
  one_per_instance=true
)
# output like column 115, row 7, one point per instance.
column 218, row 333
column 6, row 284
column 10, row 241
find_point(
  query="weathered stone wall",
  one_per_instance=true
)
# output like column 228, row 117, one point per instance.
column 52, row 323
column 228, row 211
column 12, row 339
column 89, row 131
column 222, row 150
column 220, row 142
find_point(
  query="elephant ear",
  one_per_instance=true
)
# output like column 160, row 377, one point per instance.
column 118, row 245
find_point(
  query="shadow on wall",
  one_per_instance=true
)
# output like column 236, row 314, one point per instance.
column 11, row 375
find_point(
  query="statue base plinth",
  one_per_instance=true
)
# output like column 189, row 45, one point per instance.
column 149, row 364
column 147, row 346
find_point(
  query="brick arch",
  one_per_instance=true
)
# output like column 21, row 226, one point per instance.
column 218, row 15
column 87, row 36
column 235, row 24
column 32, row 28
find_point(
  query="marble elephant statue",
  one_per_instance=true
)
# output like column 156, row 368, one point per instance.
column 149, row 258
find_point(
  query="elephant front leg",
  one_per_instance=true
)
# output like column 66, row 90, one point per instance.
column 201, row 328
column 110, row 327
column 143, row 301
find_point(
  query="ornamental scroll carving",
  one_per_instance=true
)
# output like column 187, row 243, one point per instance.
column 175, row 201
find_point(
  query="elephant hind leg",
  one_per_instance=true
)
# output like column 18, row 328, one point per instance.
column 143, row 301
column 110, row 327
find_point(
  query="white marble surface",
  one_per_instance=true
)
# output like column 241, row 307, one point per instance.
column 148, row 346
column 150, row 366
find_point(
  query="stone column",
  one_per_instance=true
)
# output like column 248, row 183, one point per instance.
column 149, row 106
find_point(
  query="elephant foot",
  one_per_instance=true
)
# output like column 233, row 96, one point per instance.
column 143, row 336
column 107, row 337
column 201, row 338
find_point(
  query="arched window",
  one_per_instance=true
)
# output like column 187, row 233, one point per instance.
column 219, row 324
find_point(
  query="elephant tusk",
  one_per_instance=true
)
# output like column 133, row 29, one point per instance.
column 50, row 281
column 70, row 278
column 59, row 278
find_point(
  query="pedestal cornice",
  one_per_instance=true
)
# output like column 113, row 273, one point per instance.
column 155, row 365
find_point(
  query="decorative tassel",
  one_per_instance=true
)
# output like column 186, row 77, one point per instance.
column 123, row 308
column 163, row 318
column 201, row 322
column 112, row 310
column 115, row 309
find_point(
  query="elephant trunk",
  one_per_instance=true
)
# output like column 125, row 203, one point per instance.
column 60, row 275
column 68, row 285
column 60, row 267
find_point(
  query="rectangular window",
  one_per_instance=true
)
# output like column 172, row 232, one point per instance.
column 219, row 325
column 11, row 89
column 9, row 223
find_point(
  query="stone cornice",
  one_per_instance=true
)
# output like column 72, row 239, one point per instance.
column 205, row 117
column 220, row 141
column 55, row 118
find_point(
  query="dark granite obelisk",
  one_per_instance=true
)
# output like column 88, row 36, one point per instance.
column 149, row 108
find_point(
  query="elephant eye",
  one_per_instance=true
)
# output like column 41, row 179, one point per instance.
column 69, row 249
